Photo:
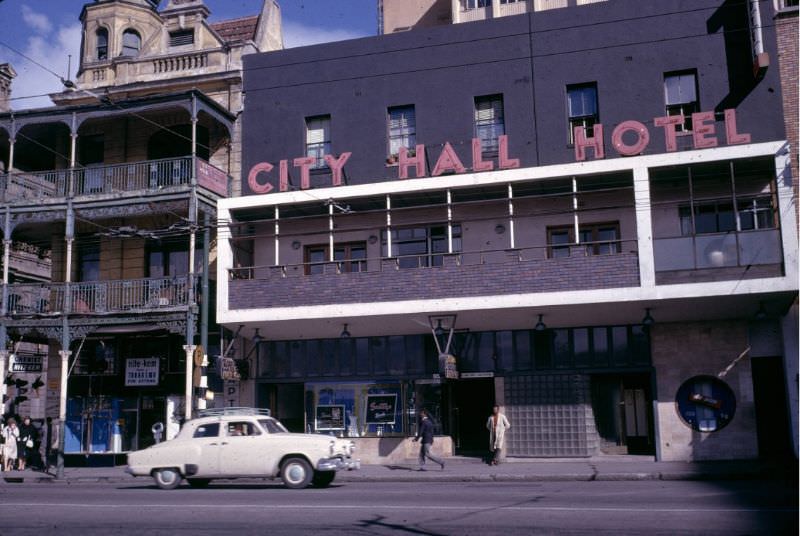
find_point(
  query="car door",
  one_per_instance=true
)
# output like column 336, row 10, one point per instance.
column 207, row 440
column 240, row 449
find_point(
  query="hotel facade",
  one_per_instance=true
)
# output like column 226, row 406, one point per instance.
column 584, row 215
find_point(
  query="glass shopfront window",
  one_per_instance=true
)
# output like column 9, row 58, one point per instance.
column 356, row 409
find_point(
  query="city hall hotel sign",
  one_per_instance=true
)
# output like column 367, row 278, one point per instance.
column 629, row 138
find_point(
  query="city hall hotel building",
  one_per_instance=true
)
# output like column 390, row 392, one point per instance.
column 584, row 215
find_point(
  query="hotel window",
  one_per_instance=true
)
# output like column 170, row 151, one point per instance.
column 318, row 139
column 719, row 217
column 181, row 38
column 402, row 130
column 131, row 43
column 102, row 44
column 418, row 247
column 474, row 4
column 680, row 97
column 349, row 257
column 595, row 239
column 582, row 109
column 489, row 122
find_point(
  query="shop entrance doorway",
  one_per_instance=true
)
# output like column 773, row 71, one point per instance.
column 471, row 402
column 622, row 407
column 772, row 416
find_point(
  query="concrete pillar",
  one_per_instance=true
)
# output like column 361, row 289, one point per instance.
column 644, row 227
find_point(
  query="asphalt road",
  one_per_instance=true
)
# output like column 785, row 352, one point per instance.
column 596, row 508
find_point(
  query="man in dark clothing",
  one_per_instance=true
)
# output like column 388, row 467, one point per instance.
column 426, row 433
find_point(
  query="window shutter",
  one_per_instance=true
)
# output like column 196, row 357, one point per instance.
column 488, row 109
column 318, row 130
column 680, row 89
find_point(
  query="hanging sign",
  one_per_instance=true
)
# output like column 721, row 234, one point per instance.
column 26, row 363
column 141, row 372
column 448, row 367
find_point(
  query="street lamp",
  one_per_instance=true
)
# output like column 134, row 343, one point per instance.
column 540, row 325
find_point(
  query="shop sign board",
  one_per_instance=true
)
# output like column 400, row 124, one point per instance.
column 211, row 178
column 26, row 363
column 227, row 369
column 141, row 371
column 330, row 417
column 381, row 408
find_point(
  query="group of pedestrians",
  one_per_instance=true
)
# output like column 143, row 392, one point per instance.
column 18, row 444
column 497, row 424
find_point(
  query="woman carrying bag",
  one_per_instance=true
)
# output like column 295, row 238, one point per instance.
column 27, row 438
column 10, row 437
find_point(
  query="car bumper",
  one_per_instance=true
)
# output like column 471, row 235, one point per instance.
column 137, row 471
column 338, row 464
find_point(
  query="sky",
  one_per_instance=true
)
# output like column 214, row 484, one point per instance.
column 48, row 31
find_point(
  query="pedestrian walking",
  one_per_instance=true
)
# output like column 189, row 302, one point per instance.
column 10, row 436
column 497, row 426
column 425, row 432
column 27, row 439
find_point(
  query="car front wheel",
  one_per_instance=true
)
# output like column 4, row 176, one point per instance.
column 323, row 479
column 167, row 478
column 296, row 473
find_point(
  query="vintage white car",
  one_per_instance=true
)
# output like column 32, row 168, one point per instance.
column 242, row 443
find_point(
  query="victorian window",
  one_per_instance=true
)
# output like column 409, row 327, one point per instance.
column 131, row 43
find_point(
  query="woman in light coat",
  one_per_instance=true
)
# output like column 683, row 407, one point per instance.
column 497, row 426
column 10, row 437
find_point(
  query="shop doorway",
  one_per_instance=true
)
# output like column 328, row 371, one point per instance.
column 471, row 404
column 622, row 407
column 772, row 416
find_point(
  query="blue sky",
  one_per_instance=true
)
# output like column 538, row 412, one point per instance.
column 49, row 30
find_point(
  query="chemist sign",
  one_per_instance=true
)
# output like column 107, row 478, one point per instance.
column 141, row 372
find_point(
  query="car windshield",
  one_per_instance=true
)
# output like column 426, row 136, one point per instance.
column 272, row 426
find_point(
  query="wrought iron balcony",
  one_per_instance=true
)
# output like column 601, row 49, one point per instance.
column 129, row 177
column 99, row 297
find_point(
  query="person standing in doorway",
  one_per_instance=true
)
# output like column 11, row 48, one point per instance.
column 26, row 442
column 497, row 426
column 10, row 438
column 425, row 432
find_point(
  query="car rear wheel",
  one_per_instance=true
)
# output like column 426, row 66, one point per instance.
column 199, row 482
column 167, row 478
column 323, row 479
column 296, row 473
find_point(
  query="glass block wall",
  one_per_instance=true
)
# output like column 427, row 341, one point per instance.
column 551, row 416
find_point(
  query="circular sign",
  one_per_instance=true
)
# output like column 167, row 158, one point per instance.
column 198, row 356
column 705, row 403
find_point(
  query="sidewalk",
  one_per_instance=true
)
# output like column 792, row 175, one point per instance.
column 621, row 468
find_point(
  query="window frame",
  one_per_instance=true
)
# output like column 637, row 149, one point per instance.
column 587, row 121
column 489, row 146
column 166, row 251
column 685, row 108
column 126, row 48
column 590, row 247
column 410, row 134
column 346, row 265
column 431, row 257
column 325, row 144
column 101, row 32
column 688, row 221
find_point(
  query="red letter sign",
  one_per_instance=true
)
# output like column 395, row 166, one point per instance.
column 504, row 162
column 668, row 123
column 643, row 138
column 304, row 163
column 447, row 161
column 582, row 142
column 703, row 134
column 336, row 165
column 252, row 178
column 417, row 161
column 731, row 135
column 478, row 163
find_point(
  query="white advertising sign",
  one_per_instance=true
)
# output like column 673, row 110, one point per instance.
column 141, row 371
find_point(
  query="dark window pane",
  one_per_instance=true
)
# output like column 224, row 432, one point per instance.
column 562, row 357
column 345, row 352
column 504, row 350
column 620, row 342
column 523, row 351
column 415, row 354
column 706, row 219
column 314, row 358
column 298, row 356
column 363, row 364
column 580, row 342
column 600, row 346
column 726, row 217
column 397, row 354
column 378, row 354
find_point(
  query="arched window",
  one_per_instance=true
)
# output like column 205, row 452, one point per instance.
column 131, row 43
column 102, row 44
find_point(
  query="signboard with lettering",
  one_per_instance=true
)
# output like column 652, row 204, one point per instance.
column 26, row 363
column 141, row 371
column 448, row 367
column 211, row 178
column 330, row 417
column 227, row 369
column 381, row 409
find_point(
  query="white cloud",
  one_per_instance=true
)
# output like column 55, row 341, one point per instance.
column 48, row 46
column 299, row 35
column 37, row 21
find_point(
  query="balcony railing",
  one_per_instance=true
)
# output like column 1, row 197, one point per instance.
column 149, row 175
column 712, row 256
column 99, row 297
column 439, row 275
